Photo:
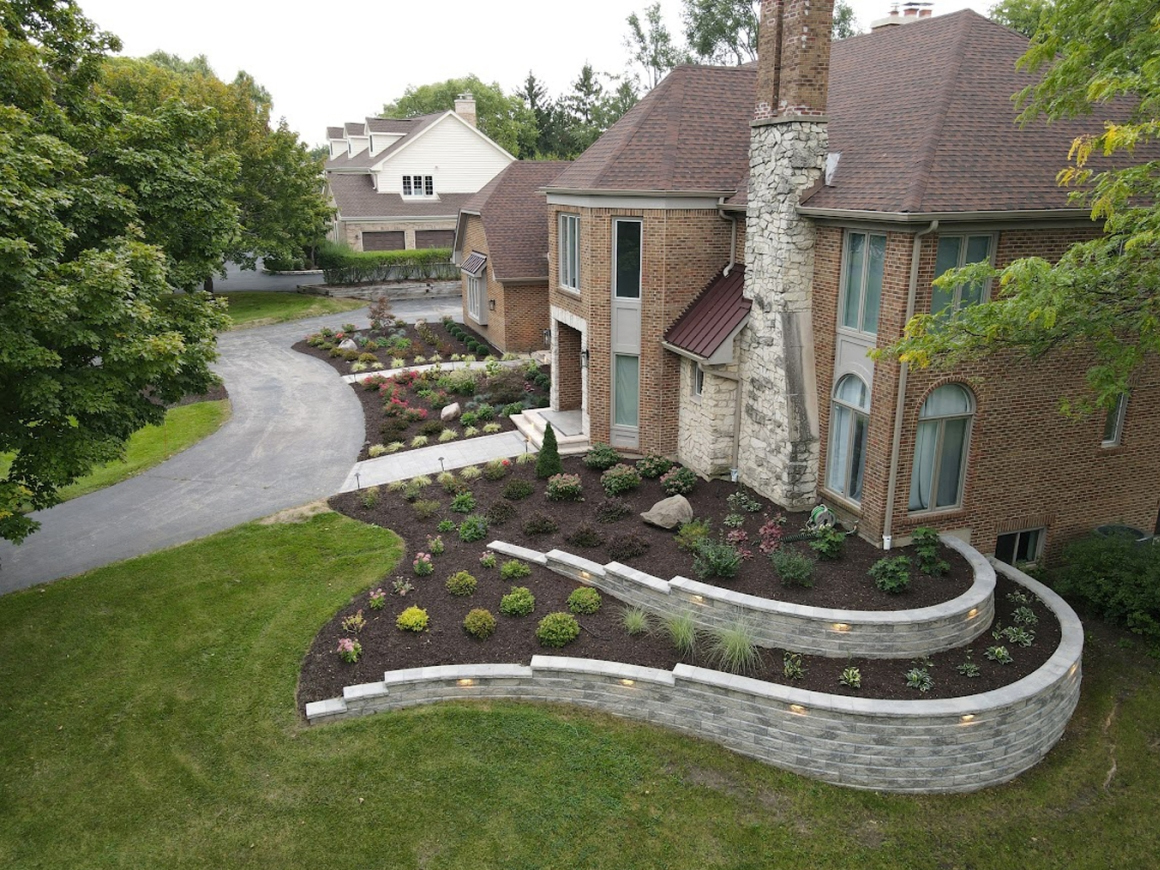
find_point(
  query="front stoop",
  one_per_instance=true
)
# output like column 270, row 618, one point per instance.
column 531, row 424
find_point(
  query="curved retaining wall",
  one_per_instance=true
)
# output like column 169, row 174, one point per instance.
column 953, row 745
column 822, row 631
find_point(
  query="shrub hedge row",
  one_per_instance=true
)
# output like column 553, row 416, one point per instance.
column 341, row 265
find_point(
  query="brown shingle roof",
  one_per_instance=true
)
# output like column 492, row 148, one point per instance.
column 355, row 128
column 356, row 199
column 515, row 218
column 335, row 133
column 365, row 160
column 922, row 116
column 713, row 316
column 924, row 120
column 690, row 132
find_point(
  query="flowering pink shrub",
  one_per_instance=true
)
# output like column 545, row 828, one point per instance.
column 349, row 650
column 378, row 599
column 422, row 564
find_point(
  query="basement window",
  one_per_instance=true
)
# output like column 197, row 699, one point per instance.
column 1017, row 548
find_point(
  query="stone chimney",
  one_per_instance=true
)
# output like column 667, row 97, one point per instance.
column 465, row 108
column 777, row 442
column 793, row 58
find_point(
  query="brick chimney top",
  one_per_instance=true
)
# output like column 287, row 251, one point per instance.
column 465, row 108
column 793, row 59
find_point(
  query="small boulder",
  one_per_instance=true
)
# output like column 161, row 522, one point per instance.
column 450, row 412
column 347, row 344
column 668, row 513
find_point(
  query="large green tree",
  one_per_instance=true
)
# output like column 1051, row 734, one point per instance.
column 282, row 209
column 506, row 119
column 651, row 45
column 1021, row 15
column 1103, row 297
column 94, row 197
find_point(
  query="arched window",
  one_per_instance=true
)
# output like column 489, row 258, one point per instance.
column 849, row 420
column 940, row 449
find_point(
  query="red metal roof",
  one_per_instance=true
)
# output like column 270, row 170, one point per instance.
column 474, row 264
column 713, row 316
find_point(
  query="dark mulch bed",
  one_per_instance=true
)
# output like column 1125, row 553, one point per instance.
column 446, row 345
column 842, row 583
column 387, row 648
column 372, row 402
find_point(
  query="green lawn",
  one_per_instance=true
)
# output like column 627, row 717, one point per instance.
column 261, row 308
column 183, row 427
column 148, row 720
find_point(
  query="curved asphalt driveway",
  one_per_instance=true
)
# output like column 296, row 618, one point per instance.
column 295, row 432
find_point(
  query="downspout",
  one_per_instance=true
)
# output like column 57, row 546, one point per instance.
column 732, row 242
column 736, row 453
column 899, row 405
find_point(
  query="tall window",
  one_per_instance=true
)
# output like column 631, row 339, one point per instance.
column 848, row 423
column 418, row 185
column 626, row 405
column 569, row 251
column 626, row 258
column 477, row 298
column 696, row 379
column 940, row 449
column 865, row 257
column 1114, row 422
column 954, row 252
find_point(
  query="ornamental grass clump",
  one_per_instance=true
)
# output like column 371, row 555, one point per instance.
column 682, row 633
column 519, row 602
column 733, row 649
column 557, row 630
column 412, row 619
column 565, row 487
column 584, row 600
column 636, row 621
column 620, row 479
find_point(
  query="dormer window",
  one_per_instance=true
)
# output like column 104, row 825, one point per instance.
column 418, row 185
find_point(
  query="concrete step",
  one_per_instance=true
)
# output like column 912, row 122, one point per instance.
column 531, row 424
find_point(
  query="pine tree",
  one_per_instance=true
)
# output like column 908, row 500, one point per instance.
column 548, row 462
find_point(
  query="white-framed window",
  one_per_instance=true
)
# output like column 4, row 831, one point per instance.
column 940, row 449
column 1114, row 422
column 955, row 252
column 626, row 390
column 626, row 257
column 477, row 298
column 696, row 379
column 418, row 185
column 864, row 261
column 1020, row 547
column 568, row 244
column 849, row 422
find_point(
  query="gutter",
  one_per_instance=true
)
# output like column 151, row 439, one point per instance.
column 653, row 194
column 899, row 404
column 847, row 214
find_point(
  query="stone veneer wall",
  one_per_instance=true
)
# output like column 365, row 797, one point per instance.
column 778, row 453
column 705, row 422
column 951, row 745
column 882, row 634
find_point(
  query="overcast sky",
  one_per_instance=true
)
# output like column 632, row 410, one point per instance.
column 327, row 64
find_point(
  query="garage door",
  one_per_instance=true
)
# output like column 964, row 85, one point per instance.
column 434, row 238
column 383, row 241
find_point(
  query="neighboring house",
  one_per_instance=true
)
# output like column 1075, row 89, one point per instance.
column 723, row 315
column 398, row 183
column 501, row 247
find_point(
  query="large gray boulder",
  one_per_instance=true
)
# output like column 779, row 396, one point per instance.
column 347, row 344
column 450, row 412
column 668, row 513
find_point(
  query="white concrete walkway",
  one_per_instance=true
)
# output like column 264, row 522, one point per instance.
column 432, row 460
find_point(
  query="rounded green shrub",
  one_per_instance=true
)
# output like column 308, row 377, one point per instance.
column 461, row 583
column 584, row 600
column 514, row 569
column 557, row 630
column 473, row 528
column 519, row 602
column 619, row 479
column 412, row 619
column 517, row 488
column 479, row 623
column 601, row 457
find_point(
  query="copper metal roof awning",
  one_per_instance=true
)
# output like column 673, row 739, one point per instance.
column 714, row 318
column 474, row 264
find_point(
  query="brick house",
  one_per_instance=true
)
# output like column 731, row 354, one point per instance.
column 722, row 260
column 501, row 247
column 398, row 183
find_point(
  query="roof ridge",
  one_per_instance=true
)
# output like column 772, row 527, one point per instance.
column 916, row 190
column 645, row 114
